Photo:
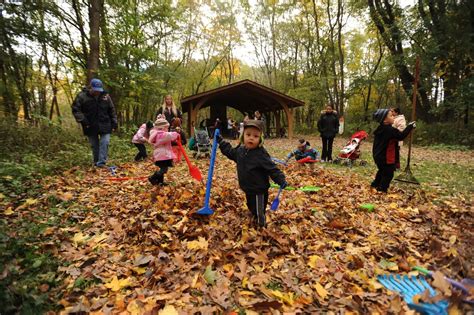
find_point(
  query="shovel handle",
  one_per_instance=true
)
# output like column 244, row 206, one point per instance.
column 454, row 283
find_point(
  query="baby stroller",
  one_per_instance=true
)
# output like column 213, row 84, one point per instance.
column 202, row 143
column 351, row 152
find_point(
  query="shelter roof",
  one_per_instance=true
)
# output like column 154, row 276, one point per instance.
column 245, row 96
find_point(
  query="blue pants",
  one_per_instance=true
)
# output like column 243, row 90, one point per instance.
column 100, row 148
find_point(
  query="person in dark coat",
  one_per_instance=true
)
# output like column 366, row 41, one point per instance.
column 94, row 110
column 254, row 168
column 328, row 127
column 385, row 147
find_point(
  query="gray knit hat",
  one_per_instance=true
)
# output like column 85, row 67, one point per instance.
column 162, row 123
column 380, row 114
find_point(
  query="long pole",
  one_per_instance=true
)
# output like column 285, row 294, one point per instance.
column 413, row 109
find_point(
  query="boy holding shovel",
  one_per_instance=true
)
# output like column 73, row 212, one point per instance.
column 385, row 147
column 254, row 167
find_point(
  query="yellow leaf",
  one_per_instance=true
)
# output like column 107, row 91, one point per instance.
column 452, row 239
column 116, row 284
column 245, row 292
column 2, row 196
column 79, row 238
column 8, row 211
column 139, row 270
column 313, row 259
column 168, row 310
column 286, row 229
column 193, row 284
column 135, row 307
column 245, row 282
column 227, row 267
column 393, row 205
column 335, row 244
column 30, row 201
column 287, row 298
column 202, row 243
column 321, row 291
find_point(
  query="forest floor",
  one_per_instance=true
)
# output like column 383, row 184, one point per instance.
column 126, row 247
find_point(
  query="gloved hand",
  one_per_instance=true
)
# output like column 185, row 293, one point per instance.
column 413, row 123
column 219, row 139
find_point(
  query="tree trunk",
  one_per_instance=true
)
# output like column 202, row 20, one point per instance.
column 95, row 8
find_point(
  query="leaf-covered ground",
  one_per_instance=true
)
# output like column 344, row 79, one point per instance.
column 128, row 247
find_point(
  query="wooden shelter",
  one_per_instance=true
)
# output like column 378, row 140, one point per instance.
column 245, row 96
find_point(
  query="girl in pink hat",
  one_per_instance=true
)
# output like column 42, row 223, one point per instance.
column 163, row 154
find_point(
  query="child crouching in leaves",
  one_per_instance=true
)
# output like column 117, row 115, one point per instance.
column 254, row 167
column 303, row 150
column 163, row 154
column 139, row 140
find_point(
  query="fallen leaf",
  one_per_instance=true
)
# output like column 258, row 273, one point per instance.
column 115, row 284
column 168, row 310
column 321, row 290
column 209, row 275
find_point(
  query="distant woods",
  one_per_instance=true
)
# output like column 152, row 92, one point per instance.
column 355, row 55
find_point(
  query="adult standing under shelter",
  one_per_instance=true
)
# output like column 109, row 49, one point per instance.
column 94, row 110
column 328, row 126
column 169, row 109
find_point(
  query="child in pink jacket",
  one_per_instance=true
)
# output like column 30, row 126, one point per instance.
column 163, row 154
column 139, row 140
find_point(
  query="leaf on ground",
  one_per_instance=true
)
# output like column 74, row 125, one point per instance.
column 440, row 283
column 168, row 310
column 115, row 284
column 201, row 243
column 321, row 290
column 209, row 275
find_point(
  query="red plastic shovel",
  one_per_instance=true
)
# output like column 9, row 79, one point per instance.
column 307, row 159
column 127, row 178
column 193, row 170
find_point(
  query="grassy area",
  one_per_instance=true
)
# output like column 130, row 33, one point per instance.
column 28, row 268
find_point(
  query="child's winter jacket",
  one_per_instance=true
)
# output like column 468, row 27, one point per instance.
column 161, row 141
column 308, row 152
column 385, row 143
column 254, row 167
column 141, row 136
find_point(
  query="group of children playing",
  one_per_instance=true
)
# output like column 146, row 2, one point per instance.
column 255, row 166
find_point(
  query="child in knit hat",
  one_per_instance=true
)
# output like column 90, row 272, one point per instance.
column 385, row 146
column 163, row 154
column 302, row 151
column 254, row 167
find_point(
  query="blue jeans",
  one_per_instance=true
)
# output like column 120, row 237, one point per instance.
column 100, row 147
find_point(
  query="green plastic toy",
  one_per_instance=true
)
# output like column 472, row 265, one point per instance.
column 368, row 207
column 305, row 188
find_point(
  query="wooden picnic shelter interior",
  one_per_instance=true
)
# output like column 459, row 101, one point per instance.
column 245, row 96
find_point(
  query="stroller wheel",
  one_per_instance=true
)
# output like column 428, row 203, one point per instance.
column 336, row 161
column 363, row 163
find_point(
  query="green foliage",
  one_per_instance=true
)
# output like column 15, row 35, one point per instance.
column 28, row 273
column 451, row 134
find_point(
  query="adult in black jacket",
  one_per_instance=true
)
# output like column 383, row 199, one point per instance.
column 94, row 110
column 328, row 126
column 254, row 168
column 385, row 147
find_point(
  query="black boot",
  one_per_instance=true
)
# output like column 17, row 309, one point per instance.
column 154, row 179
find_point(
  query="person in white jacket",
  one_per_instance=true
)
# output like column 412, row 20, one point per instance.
column 399, row 123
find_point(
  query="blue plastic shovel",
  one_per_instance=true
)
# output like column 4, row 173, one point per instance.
column 206, row 210
column 279, row 161
column 276, row 201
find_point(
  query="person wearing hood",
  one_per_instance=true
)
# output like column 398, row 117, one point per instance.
column 328, row 126
column 254, row 168
column 94, row 110
column 385, row 147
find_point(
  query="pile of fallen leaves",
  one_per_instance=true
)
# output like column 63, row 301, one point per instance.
column 143, row 249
